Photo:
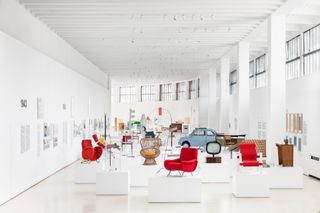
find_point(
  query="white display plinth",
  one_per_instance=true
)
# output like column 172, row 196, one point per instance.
column 251, row 184
column 139, row 174
column 286, row 177
column 112, row 183
column 85, row 172
column 174, row 189
column 215, row 172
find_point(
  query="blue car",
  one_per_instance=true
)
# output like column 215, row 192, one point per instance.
column 199, row 137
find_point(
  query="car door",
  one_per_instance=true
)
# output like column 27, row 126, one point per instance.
column 198, row 137
column 211, row 136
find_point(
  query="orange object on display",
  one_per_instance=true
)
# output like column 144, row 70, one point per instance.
column 160, row 111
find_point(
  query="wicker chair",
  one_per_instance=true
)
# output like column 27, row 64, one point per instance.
column 150, row 150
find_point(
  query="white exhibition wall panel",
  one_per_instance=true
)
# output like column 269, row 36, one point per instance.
column 66, row 96
column 233, row 114
column 303, row 96
column 258, row 116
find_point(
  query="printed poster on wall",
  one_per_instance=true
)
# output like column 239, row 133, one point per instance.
column 40, row 108
column 24, row 138
column 46, row 137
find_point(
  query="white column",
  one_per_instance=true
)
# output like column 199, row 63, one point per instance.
column 243, row 88
column 212, row 99
column 225, row 95
column 276, row 85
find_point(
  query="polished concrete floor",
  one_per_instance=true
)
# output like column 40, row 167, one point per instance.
column 59, row 194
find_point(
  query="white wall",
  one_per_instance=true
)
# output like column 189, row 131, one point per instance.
column 28, row 74
column 179, row 110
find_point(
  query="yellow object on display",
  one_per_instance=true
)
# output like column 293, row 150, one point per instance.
column 101, row 140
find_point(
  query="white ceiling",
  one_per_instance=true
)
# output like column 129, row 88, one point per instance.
column 148, row 39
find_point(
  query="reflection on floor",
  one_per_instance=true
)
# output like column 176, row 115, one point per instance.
column 59, row 194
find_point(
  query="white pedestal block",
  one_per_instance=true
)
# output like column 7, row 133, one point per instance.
column 139, row 174
column 215, row 172
column 251, row 184
column 85, row 172
column 286, row 177
column 165, row 189
column 112, row 183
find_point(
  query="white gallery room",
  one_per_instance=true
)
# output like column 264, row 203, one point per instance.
column 145, row 106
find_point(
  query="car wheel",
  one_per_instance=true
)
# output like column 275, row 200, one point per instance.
column 186, row 144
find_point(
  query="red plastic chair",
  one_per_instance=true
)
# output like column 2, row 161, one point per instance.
column 249, row 155
column 90, row 153
column 187, row 162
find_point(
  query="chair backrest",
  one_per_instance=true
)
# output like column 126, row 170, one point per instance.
column 95, row 138
column 86, row 143
column 188, row 154
column 248, row 151
column 126, row 138
column 150, row 143
column 261, row 145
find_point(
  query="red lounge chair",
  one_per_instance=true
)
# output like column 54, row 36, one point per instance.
column 187, row 162
column 249, row 155
column 90, row 153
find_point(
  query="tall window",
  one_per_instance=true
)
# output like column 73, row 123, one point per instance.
column 165, row 92
column 147, row 93
column 261, row 74
column 127, row 94
column 180, row 90
column 233, row 81
column 198, row 88
column 193, row 89
column 258, row 72
column 311, row 50
column 251, row 75
column 293, row 61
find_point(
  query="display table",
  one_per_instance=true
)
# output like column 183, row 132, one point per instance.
column 174, row 189
column 112, row 183
column 286, row 177
column 85, row 172
column 251, row 184
column 215, row 172
column 139, row 174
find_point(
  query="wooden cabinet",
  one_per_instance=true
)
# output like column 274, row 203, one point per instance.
column 285, row 154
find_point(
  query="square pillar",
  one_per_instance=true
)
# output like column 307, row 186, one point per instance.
column 225, row 95
column 212, row 99
column 243, row 88
column 277, row 85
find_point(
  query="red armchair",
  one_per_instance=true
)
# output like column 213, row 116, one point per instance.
column 249, row 155
column 187, row 162
column 90, row 153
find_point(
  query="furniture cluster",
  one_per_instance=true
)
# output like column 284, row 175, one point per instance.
column 246, row 173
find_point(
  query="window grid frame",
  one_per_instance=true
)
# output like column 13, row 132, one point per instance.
column 147, row 93
column 127, row 94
